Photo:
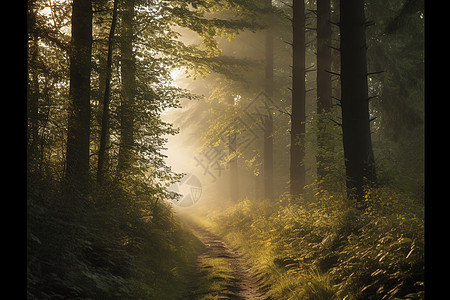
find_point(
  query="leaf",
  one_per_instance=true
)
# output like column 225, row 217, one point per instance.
column 383, row 257
column 378, row 272
column 412, row 249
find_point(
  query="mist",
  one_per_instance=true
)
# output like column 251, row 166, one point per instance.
column 225, row 149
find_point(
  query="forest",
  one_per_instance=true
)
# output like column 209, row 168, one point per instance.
column 225, row 149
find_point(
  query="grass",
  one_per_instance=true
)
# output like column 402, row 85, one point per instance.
column 214, row 281
column 327, row 249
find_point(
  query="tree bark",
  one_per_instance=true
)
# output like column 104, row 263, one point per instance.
column 298, row 116
column 106, row 100
column 77, row 155
column 128, row 88
column 324, row 91
column 358, row 154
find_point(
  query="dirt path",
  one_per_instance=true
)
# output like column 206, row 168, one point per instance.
column 242, row 284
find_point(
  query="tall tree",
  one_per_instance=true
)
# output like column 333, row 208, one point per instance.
column 106, row 99
column 77, row 155
column 32, row 88
column 298, row 115
column 323, row 82
column 268, row 120
column 128, row 89
column 358, row 154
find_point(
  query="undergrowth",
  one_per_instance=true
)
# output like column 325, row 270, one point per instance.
column 325, row 248
column 126, row 244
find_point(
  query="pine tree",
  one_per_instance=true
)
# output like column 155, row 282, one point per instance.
column 268, row 119
column 323, row 84
column 298, row 115
column 358, row 154
column 77, row 155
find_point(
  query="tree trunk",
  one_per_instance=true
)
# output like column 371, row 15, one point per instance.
column 33, row 91
column 77, row 155
column 297, row 168
column 323, row 84
column 106, row 100
column 358, row 154
column 267, row 120
column 128, row 73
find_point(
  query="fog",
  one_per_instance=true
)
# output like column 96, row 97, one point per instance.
column 206, row 124
column 186, row 150
column 292, row 132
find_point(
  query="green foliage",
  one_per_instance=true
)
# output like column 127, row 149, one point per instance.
column 120, row 247
column 396, row 46
column 326, row 249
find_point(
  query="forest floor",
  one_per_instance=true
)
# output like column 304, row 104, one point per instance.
column 222, row 272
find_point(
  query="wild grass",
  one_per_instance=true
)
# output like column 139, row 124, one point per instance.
column 213, row 281
column 326, row 248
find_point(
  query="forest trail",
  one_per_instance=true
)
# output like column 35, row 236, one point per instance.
column 240, row 283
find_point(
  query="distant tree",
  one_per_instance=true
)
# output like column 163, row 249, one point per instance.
column 268, row 119
column 232, row 149
column 358, row 154
column 298, row 115
column 33, row 90
column 396, row 46
column 409, row 7
column 128, row 87
column 77, row 153
column 106, row 100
